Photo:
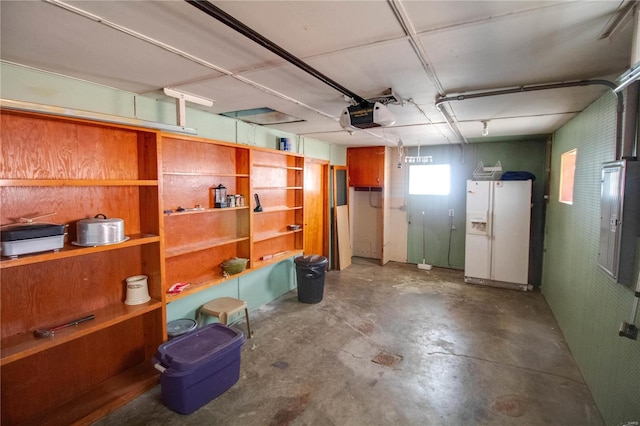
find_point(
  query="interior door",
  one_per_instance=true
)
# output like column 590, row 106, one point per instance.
column 316, row 210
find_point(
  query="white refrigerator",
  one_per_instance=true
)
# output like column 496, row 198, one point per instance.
column 497, row 233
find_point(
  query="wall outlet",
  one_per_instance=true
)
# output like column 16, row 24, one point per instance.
column 450, row 212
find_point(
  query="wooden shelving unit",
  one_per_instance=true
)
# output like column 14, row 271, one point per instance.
column 278, row 178
column 198, row 242
column 77, row 169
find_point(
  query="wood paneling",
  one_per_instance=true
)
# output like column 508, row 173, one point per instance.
column 77, row 169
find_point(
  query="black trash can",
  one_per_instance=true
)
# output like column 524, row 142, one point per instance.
column 310, row 271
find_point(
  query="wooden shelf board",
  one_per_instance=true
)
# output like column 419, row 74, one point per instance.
column 191, row 174
column 205, row 211
column 69, row 250
column 278, row 209
column 276, row 166
column 270, row 235
column 26, row 344
column 78, row 182
column 179, row 251
column 281, row 256
column 196, row 287
column 102, row 399
column 276, row 187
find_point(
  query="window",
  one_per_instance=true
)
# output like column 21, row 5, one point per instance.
column 429, row 179
column 567, row 173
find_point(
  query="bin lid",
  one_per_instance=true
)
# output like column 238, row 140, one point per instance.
column 180, row 326
column 311, row 260
column 200, row 346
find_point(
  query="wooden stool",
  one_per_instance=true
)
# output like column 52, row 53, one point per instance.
column 222, row 308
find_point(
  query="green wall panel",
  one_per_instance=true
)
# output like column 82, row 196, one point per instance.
column 267, row 284
column 31, row 85
column 588, row 305
column 316, row 149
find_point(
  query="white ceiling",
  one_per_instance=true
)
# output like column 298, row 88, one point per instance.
column 421, row 49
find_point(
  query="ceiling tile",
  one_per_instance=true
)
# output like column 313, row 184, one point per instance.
column 85, row 49
column 307, row 28
column 554, row 44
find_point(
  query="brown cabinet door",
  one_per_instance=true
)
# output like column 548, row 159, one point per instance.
column 366, row 166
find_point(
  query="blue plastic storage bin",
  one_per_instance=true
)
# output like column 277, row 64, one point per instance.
column 199, row 366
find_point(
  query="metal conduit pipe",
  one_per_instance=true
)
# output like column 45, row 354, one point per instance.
column 246, row 31
column 619, row 148
column 452, row 124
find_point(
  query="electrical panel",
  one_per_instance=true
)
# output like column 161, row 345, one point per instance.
column 619, row 218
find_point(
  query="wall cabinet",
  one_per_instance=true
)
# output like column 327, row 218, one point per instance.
column 366, row 166
column 76, row 169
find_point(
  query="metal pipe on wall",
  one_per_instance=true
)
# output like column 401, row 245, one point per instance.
column 522, row 89
column 630, row 136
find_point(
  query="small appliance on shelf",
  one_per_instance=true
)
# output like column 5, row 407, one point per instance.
column 28, row 237
column 220, row 196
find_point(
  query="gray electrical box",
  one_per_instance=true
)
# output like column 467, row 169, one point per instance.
column 619, row 218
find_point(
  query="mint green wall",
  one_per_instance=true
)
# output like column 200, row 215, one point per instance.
column 588, row 305
column 30, row 85
column 515, row 155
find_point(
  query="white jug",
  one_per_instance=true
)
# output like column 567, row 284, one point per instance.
column 137, row 290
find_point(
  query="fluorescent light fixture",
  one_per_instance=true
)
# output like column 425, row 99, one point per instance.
column 96, row 116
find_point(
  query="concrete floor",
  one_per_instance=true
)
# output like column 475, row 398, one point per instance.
column 452, row 354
